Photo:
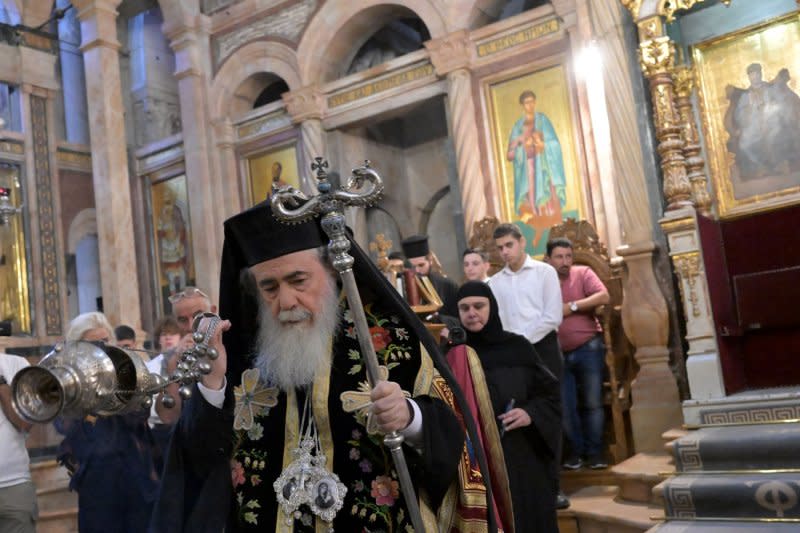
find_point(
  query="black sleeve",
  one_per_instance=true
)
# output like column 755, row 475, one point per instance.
column 443, row 441
column 544, row 407
column 196, row 489
column 449, row 298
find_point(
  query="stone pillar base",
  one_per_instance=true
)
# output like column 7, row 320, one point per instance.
column 705, row 376
column 656, row 405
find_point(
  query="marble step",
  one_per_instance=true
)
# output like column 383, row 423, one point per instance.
column 680, row 526
column 599, row 510
column 63, row 521
column 762, row 447
column 732, row 496
column 638, row 475
column 752, row 406
column 56, row 497
column 45, row 472
column 574, row 480
column 669, row 437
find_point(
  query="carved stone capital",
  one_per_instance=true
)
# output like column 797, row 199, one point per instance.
column 451, row 52
column 656, row 56
column 98, row 23
column 304, row 104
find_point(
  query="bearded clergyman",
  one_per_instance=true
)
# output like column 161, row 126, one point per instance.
column 285, row 434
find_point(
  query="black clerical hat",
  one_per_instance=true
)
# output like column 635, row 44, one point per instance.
column 416, row 246
column 258, row 236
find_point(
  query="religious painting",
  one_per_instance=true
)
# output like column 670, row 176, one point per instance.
column 751, row 108
column 535, row 159
column 278, row 166
column 172, row 237
column 15, row 317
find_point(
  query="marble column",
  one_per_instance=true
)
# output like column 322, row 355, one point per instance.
column 109, row 161
column 306, row 106
column 227, row 166
column 206, row 210
column 645, row 316
column 450, row 56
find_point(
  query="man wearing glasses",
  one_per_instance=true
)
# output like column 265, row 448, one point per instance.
column 186, row 304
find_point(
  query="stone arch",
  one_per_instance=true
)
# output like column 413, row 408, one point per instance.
column 339, row 29
column 84, row 223
column 258, row 59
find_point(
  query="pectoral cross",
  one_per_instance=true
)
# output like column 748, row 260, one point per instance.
column 358, row 401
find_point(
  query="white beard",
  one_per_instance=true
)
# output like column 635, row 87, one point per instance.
column 289, row 355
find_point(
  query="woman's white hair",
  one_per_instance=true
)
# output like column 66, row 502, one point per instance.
column 85, row 322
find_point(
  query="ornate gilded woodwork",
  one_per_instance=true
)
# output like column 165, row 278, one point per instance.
column 633, row 6
column 684, row 79
column 656, row 57
column 688, row 267
column 668, row 8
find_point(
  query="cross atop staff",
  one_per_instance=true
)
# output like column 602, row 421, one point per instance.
column 363, row 188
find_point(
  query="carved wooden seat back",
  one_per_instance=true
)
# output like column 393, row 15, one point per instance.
column 589, row 251
column 482, row 231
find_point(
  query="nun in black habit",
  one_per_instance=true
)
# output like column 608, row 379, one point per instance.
column 526, row 399
column 221, row 465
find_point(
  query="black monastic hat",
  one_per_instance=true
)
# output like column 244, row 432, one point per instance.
column 416, row 246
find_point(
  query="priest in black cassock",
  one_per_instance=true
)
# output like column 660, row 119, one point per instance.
column 418, row 252
column 284, row 433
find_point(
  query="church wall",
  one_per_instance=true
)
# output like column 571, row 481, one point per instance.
column 73, row 106
column 352, row 146
column 77, row 193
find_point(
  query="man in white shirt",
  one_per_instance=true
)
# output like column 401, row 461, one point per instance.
column 529, row 300
column 529, row 296
column 18, row 509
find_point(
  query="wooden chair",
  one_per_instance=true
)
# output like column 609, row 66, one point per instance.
column 589, row 251
column 482, row 231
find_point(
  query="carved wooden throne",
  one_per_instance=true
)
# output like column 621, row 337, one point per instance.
column 482, row 237
column 589, row 251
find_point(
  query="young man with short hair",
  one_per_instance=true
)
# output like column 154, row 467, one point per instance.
column 476, row 264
